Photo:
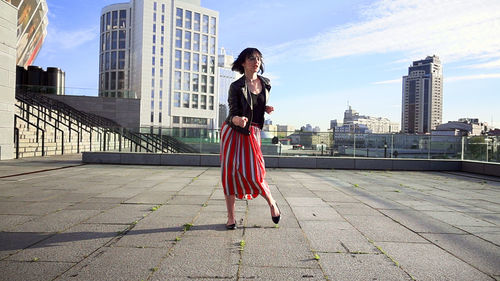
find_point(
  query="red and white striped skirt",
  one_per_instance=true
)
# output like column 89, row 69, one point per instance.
column 242, row 164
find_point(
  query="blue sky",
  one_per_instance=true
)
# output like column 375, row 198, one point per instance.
column 323, row 54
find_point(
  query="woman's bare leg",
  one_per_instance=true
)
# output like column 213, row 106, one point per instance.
column 272, row 204
column 230, row 204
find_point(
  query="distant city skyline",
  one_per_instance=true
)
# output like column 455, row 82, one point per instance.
column 321, row 56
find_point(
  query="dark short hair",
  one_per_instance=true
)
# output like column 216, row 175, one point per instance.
column 248, row 52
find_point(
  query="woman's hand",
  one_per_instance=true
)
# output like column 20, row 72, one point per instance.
column 269, row 109
column 240, row 121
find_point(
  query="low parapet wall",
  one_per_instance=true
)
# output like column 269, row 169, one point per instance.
column 212, row 160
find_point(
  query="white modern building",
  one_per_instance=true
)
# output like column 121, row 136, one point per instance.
column 165, row 53
column 422, row 103
column 226, row 77
column 355, row 123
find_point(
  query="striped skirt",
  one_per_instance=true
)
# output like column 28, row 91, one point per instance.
column 242, row 164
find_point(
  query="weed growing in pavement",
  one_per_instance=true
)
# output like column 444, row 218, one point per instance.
column 177, row 239
column 155, row 208
column 187, row 226
column 316, row 257
column 35, row 259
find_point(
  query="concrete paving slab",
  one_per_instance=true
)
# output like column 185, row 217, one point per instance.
column 8, row 222
column 31, row 208
column 122, row 214
column 457, row 219
column 378, row 228
column 341, row 266
column 354, row 209
column 425, row 261
column 151, row 197
column 336, row 237
column 72, row 245
column 55, row 222
column 28, row 271
column 214, row 258
column 277, row 247
column 12, row 242
column 280, row 273
column 418, row 222
column 116, row 264
column 473, row 250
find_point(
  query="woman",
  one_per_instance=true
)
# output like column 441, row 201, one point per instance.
column 242, row 164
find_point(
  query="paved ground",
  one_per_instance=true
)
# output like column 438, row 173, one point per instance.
column 106, row 222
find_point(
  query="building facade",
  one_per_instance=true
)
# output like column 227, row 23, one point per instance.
column 164, row 53
column 360, row 124
column 35, row 79
column 422, row 102
column 226, row 77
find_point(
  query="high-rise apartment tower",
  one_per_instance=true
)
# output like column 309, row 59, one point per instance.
column 422, row 103
column 165, row 53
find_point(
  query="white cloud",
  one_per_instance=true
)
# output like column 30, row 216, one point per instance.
column 395, row 81
column 453, row 29
column 63, row 39
column 491, row 64
column 472, row 77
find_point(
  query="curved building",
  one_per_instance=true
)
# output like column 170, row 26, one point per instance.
column 31, row 29
column 163, row 52
column 114, row 51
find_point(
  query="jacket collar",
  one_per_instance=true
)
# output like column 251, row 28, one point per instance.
column 241, row 83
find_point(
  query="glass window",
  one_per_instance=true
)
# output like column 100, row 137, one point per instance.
column 185, row 100
column 121, row 59
column 211, row 102
column 161, row 72
column 152, row 94
column 162, row 30
column 154, row 6
column 204, row 44
column 187, row 40
column 154, row 39
column 195, row 82
column 196, row 41
column 203, row 83
column 152, row 117
column 187, row 23
column 162, row 40
column 161, row 83
column 177, row 100
column 106, row 61
column 154, row 50
column 212, row 65
column 212, row 45
column 160, row 105
column 204, row 24
column 203, row 103
column 154, row 27
column 106, row 81
column 153, row 82
column 178, row 59
column 187, row 81
column 196, row 62
column 161, row 51
column 153, row 61
column 108, row 21
column 161, row 62
column 113, row 60
column 102, row 23
column 103, row 41
column 204, row 63
column 101, row 62
column 162, row 19
column 123, row 18
column 114, row 20
column 161, row 94
column 152, row 105
column 177, row 80
column 121, row 80
column 163, row 8
column 114, row 40
column 159, row 115
column 212, row 25
column 113, row 81
column 194, row 101
column 175, row 119
column 211, row 85
column 178, row 38
column 154, row 16
column 178, row 17
column 122, row 39
column 187, row 60
column 197, row 21
column 108, row 40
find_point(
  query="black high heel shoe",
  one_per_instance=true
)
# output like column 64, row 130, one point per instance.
column 231, row 226
column 276, row 219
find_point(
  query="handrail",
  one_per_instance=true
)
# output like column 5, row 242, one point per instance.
column 17, row 135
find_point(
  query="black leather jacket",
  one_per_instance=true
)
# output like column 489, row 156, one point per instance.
column 240, row 102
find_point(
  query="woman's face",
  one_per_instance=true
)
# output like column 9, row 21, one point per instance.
column 252, row 63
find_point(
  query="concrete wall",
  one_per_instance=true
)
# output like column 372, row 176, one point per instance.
column 124, row 111
column 8, row 33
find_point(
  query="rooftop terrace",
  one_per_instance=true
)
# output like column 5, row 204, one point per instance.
column 61, row 219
